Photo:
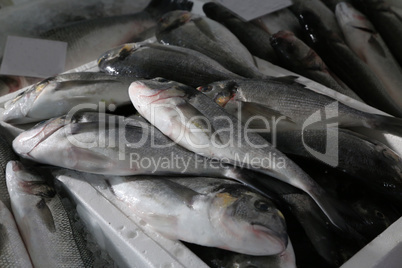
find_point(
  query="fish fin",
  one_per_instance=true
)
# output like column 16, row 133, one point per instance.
column 159, row 7
column 377, row 46
column 185, row 194
column 162, row 223
column 46, row 215
column 287, row 79
column 90, row 160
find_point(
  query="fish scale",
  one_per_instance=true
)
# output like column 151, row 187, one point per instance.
column 6, row 154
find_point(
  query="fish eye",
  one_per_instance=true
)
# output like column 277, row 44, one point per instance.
column 205, row 88
column 261, row 205
column 379, row 215
column 160, row 79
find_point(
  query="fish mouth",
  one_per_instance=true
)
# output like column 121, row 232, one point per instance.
column 279, row 240
column 117, row 53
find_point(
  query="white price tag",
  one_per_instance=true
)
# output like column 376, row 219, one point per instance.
column 33, row 57
column 252, row 9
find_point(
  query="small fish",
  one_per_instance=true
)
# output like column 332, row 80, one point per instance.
column 43, row 221
column 182, row 28
column 12, row 250
column 255, row 39
column 6, row 154
column 363, row 39
column 56, row 96
column 154, row 60
column 226, row 216
column 210, row 131
column 300, row 58
column 348, row 66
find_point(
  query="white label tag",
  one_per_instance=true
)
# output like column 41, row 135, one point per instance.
column 252, row 9
column 33, row 57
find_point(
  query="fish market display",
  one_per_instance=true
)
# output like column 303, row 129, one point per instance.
column 362, row 38
column 252, row 37
column 12, row 250
column 181, row 28
column 56, row 96
column 225, row 215
column 296, row 103
column 48, row 234
column 6, row 154
column 171, row 62
column 300, row 58
column 386, row 22
column 194, row 121
column 88, row 39
column 348, row 66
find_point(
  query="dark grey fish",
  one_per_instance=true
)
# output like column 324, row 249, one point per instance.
column 43, row 221
column 298, row 57
column 182, row 28
column 255, row 39
column 154, row 60
column 348, row 66
column 88, row 39
column 6, row 154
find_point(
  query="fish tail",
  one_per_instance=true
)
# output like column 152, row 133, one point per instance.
column 159, row 7
column 387, row 124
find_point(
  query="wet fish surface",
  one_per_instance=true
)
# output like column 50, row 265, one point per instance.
column 181, row 28
column 12, row 250
column 363, row 39
column 6, row 154
column 222, row 215
column 48, row 234
column 205, row 124
column 255, row 39
column 348, row 66
column 156, row 60
column 56, row 96
column 300, row 58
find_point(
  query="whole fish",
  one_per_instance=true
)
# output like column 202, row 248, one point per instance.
column 386, row 21
column 252, row 37
column 6, row 154
column 362, row 38
column 281, row 20
column 194, row 121
column 113, row 145
column 154, row 60
column 298, row 57
column 182, row 28
column 296, row 104
column 12, row 250
column 56, row 96
column 226, row 215
column 88, row 39
column 36, row 17
column 48, row 234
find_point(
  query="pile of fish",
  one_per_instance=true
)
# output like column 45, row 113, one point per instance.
column 205, row 148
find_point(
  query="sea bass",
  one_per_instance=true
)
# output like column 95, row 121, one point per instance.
column 182, row 28
column 194, row 121
column 255, row 39
column 348, row 66
column 298, row 57
column 154, row 60
column 56, row 96
column 43, row 221
column 223, row 215
column 12, row 250
column 362, row 38
column 6, row 154
column 88, row 39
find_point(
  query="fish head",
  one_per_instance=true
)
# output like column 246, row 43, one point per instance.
column 27, row 181
column 258, row 227
column 286, row 43
column 17, row 110
column 173, row 20
column 115, row 55
column 315, row 28
column 221, row 92
column 28, row 140
column 348, row 16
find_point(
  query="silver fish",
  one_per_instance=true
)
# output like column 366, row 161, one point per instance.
column 182, row 28
column 6, row 154
column 12, row 250
column 300, row 58
column 224, row 215
column 43, row 221
column 155, row 60
column 194, row 121
column 363, row 39
column 56, row 96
